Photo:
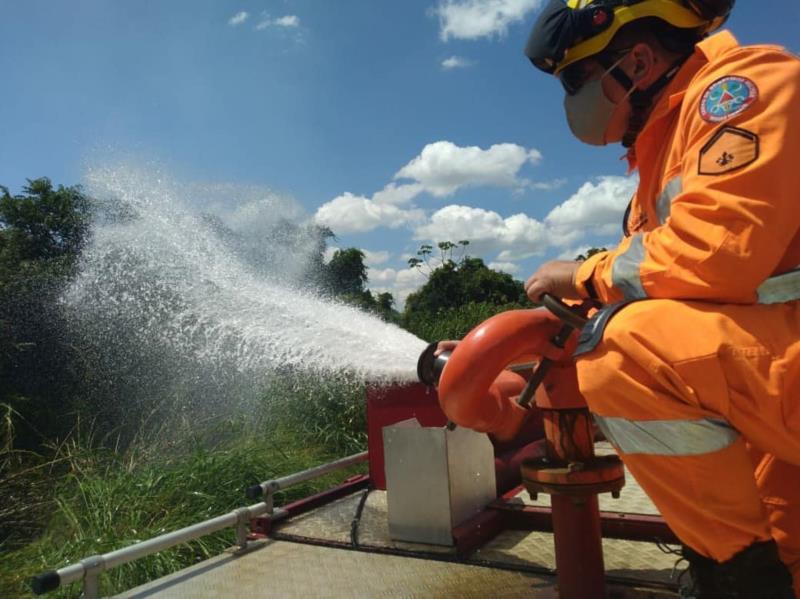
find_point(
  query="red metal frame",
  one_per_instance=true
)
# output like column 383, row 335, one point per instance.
column 614, row 525
column 262, row 525
column 501, row 515
column 477, row 531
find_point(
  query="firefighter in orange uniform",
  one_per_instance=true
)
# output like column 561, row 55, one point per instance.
column 692, row 367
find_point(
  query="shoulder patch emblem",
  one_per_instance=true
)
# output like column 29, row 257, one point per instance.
column 729, row 149
column 727, row 97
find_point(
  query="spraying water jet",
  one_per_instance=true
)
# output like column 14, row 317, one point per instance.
column 202, row 294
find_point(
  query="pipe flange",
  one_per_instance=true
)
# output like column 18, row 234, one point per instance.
column 611, row 486
column 602, row 474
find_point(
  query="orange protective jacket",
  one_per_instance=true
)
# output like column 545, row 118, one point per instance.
column 717, row 210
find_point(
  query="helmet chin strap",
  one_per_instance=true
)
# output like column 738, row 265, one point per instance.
column 641, row 100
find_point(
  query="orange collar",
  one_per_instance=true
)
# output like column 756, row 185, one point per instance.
column 705, row 51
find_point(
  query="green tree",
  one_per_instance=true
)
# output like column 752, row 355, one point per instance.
column 345, row 277
column 459, row 293
column 42, row 232
column 385, row 301
column 470, row 280
column 346, row 272
column 43, row 224
column 423, row 261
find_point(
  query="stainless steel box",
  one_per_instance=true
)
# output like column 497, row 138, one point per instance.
column 435, row 480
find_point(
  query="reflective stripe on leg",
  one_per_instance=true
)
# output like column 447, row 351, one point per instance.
column 667, row 437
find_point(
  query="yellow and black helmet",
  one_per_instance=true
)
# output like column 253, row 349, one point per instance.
column 567, row 32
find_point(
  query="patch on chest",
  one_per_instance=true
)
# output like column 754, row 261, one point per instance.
column 731, row 148
column 727, row 97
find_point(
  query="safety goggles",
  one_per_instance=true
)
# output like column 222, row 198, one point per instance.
column 575, row 76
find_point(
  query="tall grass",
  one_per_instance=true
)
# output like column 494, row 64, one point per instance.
column 89, row 493
column 88, row 496
column 328, row 410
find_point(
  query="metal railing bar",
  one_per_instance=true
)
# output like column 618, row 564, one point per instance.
column 100, row 563
column 89, row 568
column 270, row 486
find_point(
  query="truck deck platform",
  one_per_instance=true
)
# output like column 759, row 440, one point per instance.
column 316, row 554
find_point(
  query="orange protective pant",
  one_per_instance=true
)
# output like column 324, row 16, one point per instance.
column 680, row 361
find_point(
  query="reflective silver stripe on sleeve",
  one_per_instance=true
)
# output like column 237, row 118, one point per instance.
column 780, row 288
column 664, row 201
column 625, row 271
column 667, row 437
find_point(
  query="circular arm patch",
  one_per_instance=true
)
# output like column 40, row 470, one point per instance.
column 727, row 97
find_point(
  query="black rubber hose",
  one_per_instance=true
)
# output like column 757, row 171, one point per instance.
column 45, row 582
column 357, row 518
column 254, row 492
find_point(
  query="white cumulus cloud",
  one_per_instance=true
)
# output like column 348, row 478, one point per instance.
column 456, row 62
column 289, row 21
column 400, row 283
column 238, row 18
column 473, row 19
column 381, row 278
column 350, row 213
column 516, row 237
column 548, row 185
column 397, row 194
column 375, row 258
column 597, row 207
column 507, row 267
column 572, row 253
column 443, row 167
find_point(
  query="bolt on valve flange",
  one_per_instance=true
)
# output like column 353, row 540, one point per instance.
column 600, row 474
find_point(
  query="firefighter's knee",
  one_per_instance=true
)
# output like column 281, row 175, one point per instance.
column 617, row 363
column 631, row 329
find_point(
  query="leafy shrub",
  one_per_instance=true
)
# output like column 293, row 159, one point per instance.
column 454, row 323
column 470, row 281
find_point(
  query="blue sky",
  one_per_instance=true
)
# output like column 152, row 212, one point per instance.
column 429, row 104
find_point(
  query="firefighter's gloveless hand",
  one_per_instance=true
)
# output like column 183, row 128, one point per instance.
column 557, row 278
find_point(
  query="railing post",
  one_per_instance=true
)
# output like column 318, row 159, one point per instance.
column 242, row 521
column 92, row 567
column 269, row 495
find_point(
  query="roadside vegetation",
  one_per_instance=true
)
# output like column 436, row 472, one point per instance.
column 80, row 473
column 87, row 493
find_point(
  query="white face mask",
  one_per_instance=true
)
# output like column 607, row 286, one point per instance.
column 590, row 113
